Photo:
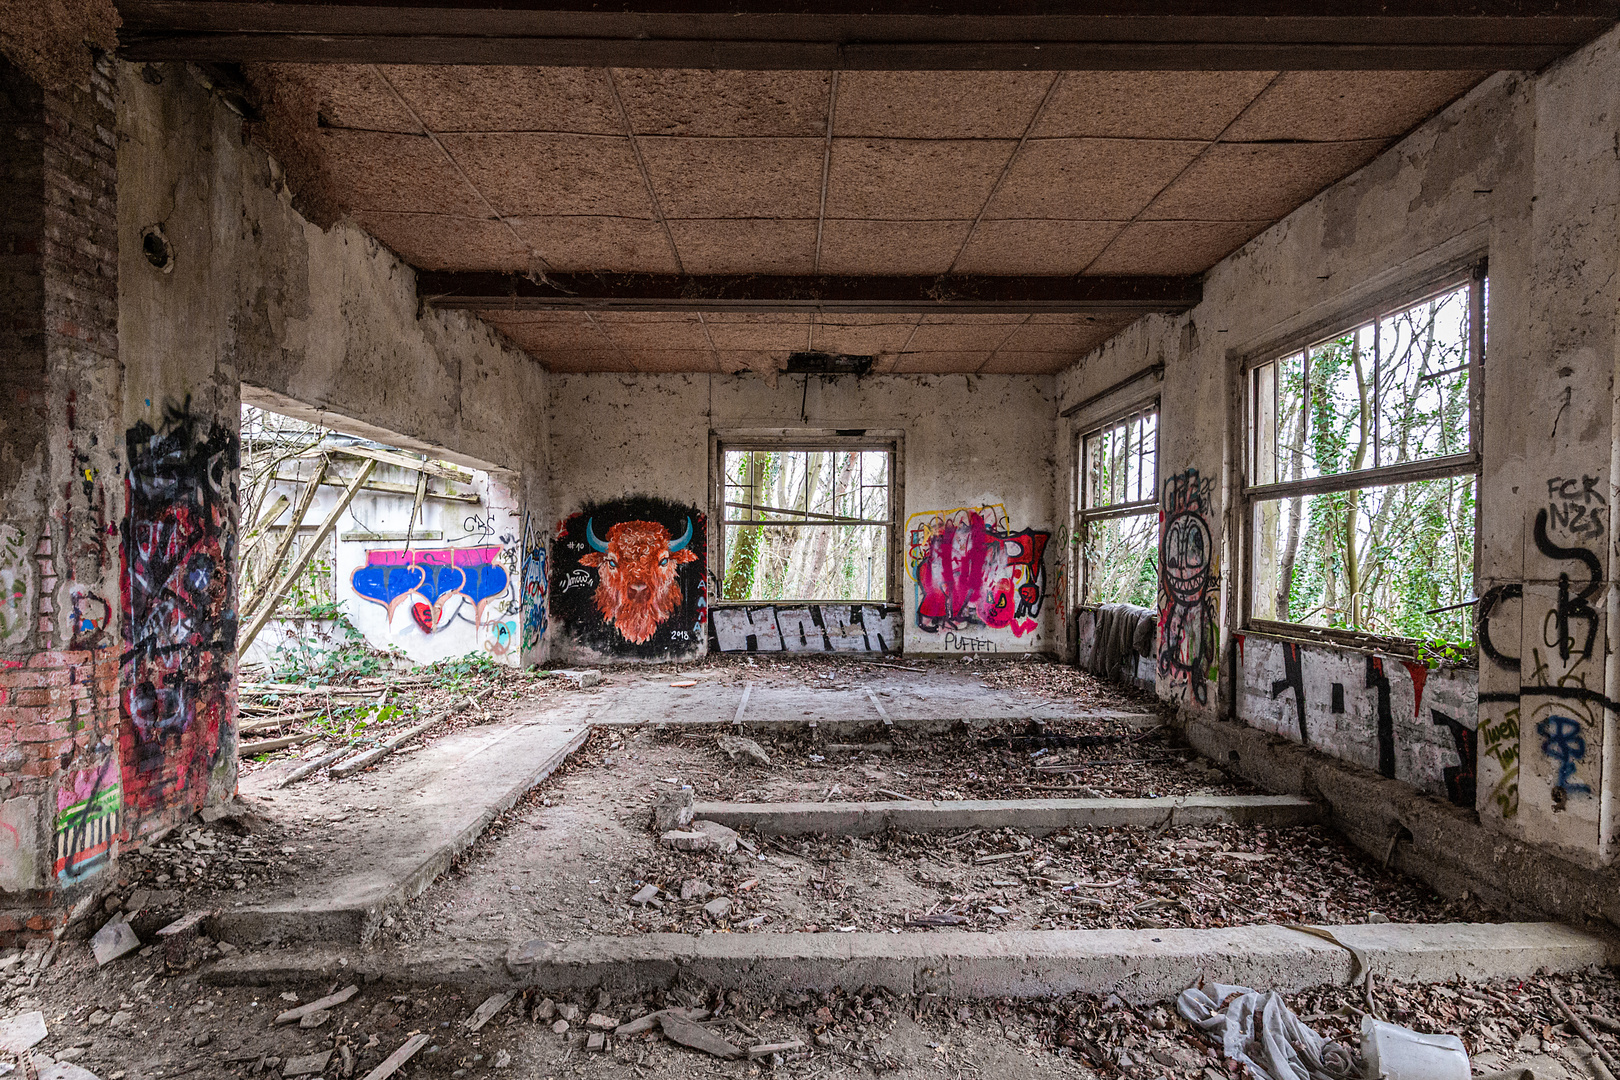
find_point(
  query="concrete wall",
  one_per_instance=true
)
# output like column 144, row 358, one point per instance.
column 1522, row 170
column 238, row 289
column 966, row 442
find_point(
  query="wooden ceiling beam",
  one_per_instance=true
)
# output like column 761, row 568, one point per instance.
column 859, row 35
column 968, row 294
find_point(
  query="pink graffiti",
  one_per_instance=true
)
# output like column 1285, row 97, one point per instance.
column 967, row 570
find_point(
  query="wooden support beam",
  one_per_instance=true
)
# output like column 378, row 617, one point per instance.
column 262, row 528
column 851, row 35
column 494, row 291
column 308, row 496
column 394, row 457
column 273, row 597
column 384, row 487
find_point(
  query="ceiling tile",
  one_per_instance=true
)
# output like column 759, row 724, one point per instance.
column 582, row 360
column 442, row 242
column 1028, row 363
column 890, row 247
column 962, row 336
column 612, row 244
column 1174, row 247
column 1345, row 105
column 689, row 102
column 669, row 331
column 939, row 363
column 472, row 98
column 745, row 245
column 1089, row 179
column 382, row 171
column 1149, row 104
column 759, row 333
column 735, row 360
column 702, row 360
column 862, row 339
column 1258, row 181
column 1035, row 247
column 913, row 179
column 554, row 174
column 347, row 96
column 1074, row 338
column 549, row 336
column 719, row 178
column 938, row 104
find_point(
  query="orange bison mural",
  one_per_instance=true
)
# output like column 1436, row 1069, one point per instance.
column 628, row 577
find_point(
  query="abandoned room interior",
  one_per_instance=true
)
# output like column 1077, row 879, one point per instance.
column 552, row 539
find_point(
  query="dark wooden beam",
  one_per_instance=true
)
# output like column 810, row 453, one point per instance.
column 848, row 295
column 850, row 35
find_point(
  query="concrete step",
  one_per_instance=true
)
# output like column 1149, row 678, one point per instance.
column 1142, row 966
column 440, row 800
column 1034, row 816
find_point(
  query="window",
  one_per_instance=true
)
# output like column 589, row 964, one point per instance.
column 1119, row 510
column 807, row 523
column 1363, row 468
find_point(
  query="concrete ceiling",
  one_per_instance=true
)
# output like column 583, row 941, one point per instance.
column 859, row 172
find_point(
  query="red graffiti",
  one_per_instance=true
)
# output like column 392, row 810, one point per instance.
column 1420, row 676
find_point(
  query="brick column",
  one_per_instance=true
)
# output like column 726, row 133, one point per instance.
column 61, row 498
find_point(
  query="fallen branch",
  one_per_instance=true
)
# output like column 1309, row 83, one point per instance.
column 319, row 763
column 370, row 757
column 1585, row 1032
column 265, row 746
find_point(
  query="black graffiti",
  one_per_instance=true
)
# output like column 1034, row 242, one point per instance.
column 1293, row 678
column 1487, row 608
column 1571, row 608
column 1577, row 506
column 179, row 615
column 1461, row 779
column 1188, row 635
column 1386, row 717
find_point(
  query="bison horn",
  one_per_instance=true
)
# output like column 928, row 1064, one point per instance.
column 590, row 534
column 686, row 538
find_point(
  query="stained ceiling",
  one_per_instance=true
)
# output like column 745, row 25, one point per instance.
column 535, row 169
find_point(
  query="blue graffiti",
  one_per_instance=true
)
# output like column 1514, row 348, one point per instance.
column 1561, row 740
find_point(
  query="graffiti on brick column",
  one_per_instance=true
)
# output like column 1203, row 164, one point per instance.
column 629, row 576
column 1189, row 638
column 971, row 572
column 89, row 804
column 534, row 584
column 16, row 585
column 179, row 615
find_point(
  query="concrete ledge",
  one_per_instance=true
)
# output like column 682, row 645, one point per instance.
column 1141, row 966
column 1440, row 844
column 943, row 722
column 352, row 907
column 1034, row 816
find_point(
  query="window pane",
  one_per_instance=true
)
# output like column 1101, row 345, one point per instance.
column 1373, row 560
column 811, row 562
column 1423, row 380
column 1122, row 560
column 1118, row 464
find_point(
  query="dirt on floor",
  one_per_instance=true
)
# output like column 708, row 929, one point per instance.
column 568, row 861
column 153, row 1015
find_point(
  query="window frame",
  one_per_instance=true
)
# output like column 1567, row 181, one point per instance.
column 1475, row 275
column 722, row 443
column 1084, row 514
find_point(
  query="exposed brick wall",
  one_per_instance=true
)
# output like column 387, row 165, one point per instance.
column 60, row 479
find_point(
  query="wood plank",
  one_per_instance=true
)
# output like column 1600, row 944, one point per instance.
column 850, row 35
column 397, row 459
column 493, row 290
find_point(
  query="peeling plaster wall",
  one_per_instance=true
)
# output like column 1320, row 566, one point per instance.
column 258, row 303
column 1523, row 169
column 967, row 441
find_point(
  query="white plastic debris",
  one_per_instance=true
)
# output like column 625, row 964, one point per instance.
column 22, row 1031
column 1399, row 1053
column 1261, row 1032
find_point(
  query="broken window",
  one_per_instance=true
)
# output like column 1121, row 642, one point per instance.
column 1363, row 471
column 1119, row 510
column 807, row 522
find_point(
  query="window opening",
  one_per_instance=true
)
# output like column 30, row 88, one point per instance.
column 810, row 523
column 1363, row 467
column 1119, row 510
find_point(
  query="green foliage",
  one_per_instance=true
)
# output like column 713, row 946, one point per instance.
column 298, row 661
column 460, row 672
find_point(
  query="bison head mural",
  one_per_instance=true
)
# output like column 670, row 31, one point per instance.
column 628, row 579
column 636, row 589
